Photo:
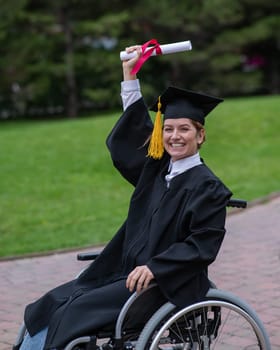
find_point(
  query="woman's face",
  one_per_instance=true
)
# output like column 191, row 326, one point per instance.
column 181, row 138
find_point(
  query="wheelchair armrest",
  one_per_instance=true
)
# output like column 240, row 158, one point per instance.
column 87, row 256
column 237, row 203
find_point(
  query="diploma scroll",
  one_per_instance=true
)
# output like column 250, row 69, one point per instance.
column 165, row 49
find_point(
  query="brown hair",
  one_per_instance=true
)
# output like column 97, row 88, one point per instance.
column 199, row 127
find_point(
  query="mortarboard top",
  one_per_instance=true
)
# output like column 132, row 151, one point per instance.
column 180, row 103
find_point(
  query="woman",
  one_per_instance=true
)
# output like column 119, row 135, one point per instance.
column 174, row 227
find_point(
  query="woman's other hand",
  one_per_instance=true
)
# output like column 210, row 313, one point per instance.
column 139, row 278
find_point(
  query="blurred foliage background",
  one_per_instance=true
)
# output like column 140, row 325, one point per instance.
column 61, row 57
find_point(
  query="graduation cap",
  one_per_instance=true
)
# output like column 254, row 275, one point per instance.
column 178, row 103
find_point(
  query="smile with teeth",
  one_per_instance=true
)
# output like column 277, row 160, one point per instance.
column 175, row 145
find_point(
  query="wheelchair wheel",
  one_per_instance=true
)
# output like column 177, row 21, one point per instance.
column 211, row 324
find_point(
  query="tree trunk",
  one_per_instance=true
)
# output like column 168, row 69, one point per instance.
column 71, row 99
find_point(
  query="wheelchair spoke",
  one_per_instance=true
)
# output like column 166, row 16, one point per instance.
column 212, row 325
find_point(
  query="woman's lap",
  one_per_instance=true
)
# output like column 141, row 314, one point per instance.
column 91, row 310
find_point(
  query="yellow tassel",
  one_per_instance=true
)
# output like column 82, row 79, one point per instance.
column 156, row 148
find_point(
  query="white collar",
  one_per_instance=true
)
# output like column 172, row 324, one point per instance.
column 181, row 165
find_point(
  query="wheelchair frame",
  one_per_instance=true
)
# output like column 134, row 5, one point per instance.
column 194, row 330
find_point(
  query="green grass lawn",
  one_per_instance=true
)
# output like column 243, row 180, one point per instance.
column 58, row 188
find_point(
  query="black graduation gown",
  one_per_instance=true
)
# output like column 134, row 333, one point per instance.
column 176, row 231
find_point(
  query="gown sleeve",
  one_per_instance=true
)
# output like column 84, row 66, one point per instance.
column 126, row 142
column 181, row 270
column 108, row 265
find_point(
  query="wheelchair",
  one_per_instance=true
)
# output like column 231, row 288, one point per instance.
column 221, row 321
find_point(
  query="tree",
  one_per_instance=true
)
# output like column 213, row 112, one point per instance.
column 235, row 43
column 63, row 56
column 55, row 51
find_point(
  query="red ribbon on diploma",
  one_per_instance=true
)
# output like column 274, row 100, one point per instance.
column 146, row 53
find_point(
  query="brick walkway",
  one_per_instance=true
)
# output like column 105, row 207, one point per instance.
column 248, row 266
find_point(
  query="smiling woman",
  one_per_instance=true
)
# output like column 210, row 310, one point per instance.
column 174, row 227
column 184, row 118
column 181, row 138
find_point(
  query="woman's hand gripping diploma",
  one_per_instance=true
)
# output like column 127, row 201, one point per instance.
column 139, row 278
column 129, row 64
